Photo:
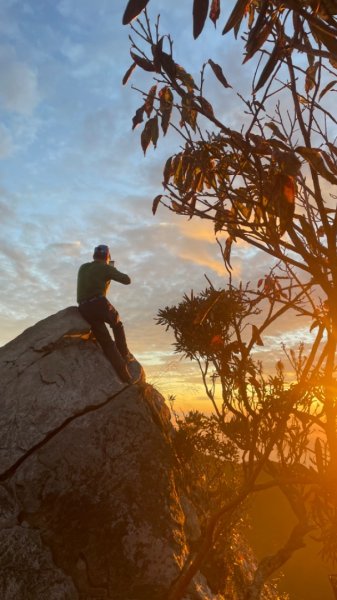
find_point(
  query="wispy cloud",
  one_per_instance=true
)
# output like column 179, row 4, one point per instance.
column 19, row 85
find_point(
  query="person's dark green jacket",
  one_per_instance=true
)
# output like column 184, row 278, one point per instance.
column 94, row 279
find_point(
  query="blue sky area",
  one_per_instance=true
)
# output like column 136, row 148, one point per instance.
column 72, row 173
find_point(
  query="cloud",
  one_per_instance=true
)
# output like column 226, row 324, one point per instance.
column 72, row 51
column 6, row 142
column 19, row 86
column 68, row 248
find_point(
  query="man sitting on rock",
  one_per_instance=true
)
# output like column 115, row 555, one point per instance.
column 92, row 285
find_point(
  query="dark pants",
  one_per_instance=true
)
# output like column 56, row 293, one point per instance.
column 98, row 312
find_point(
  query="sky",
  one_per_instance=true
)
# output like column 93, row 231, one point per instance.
column 73, row 175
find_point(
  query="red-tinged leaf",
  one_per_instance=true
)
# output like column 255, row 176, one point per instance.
column 165, row 97
column 214, row 12
column 167, row 171
column 165, row 120
column 206, row 107
column 128, row 73
column 166, row 104
column 288, row 189
column 188, row 112
column 259, row 283
column 156, row 51
column 155, row 203
column 138, row 118
column 217, row 340
column 133, row 9
column 327, row 88
column 314, row 157
column 236, row 15
column 325, row 35
column 257, row 39
column 168, row 64
column 217, row 70
column 148, row 106
column 146, row 135
column 269, row 67
column 185, row 78
column 310, row 75
column 143, row 63
column 154, row 130
column 256, row 336
column 200, row 10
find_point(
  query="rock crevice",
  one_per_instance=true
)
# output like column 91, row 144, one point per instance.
column 88, row 502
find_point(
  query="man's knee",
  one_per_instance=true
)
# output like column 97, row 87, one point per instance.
column 101, row 333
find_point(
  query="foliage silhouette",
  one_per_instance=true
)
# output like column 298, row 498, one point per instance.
column 271, row 185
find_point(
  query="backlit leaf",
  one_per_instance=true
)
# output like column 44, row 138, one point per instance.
column 217, row 70
column 188, row 112
column 166, row 104
column 148, row 106
column 157, row 49
column 133, row 9
column 167, row 171
column 185, row 78
column 154, row 130
column 327, row 88
column 325, row 35
column 200, row 10
column 138, row 117
column 168, row 64
column 155, row 203
column 206, row 106
column 128, row 73
column 236, row 15
column 143, row 63
column 257, row 37
column 310, row 77
column 146, row 135
column 314, row 157
column 214, row 12
column 269, row 67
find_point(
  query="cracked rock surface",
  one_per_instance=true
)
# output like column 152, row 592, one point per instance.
column 88, row 503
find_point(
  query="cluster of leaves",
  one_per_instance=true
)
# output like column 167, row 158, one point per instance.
column 260, row 416
column 203, row 323
column 248, row 183
column 269, row 184
column 266, row 18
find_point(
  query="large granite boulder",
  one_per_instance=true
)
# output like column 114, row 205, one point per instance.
column 88, row 502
